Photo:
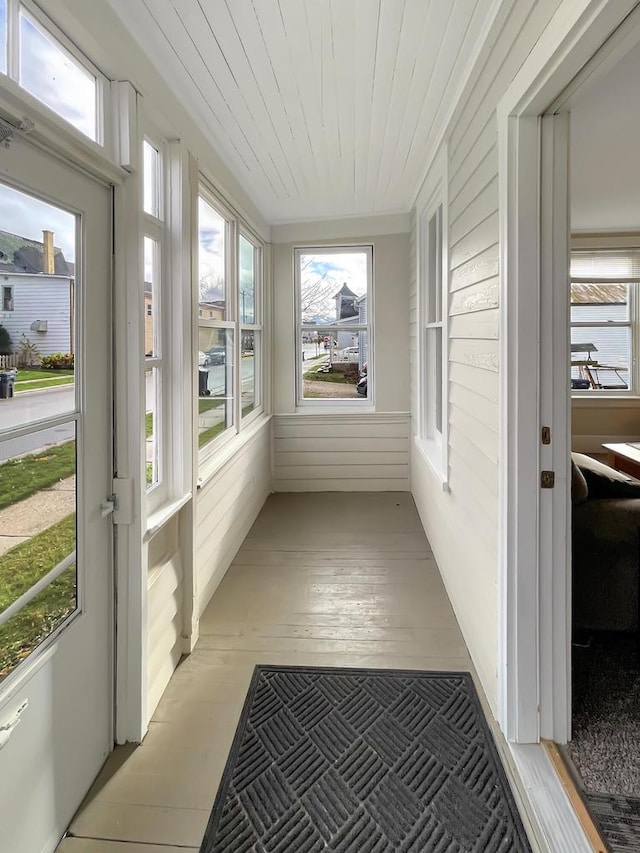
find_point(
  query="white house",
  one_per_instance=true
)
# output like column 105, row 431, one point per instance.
column 40, row 309
column 434, row 137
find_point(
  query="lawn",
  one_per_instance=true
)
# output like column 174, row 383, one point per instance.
column 20, row 478
column 332, row 376
column 20, row 569
column 32, row 380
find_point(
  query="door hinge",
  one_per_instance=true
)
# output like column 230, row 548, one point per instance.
column 547, row 479
column 120, row 502
column 546, row 435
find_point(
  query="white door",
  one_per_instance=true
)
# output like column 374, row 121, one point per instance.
column 56, row 579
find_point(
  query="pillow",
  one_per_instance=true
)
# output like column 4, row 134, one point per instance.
column 579, row 488
column 605, row 482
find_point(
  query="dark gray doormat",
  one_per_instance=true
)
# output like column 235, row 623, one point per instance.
column 363, row 761
column 618, row 819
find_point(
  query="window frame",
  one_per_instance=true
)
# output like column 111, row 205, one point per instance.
column 433, row 253
column 603, row 396
column 5, row 288
column 52, row 31
column 235, row 228
column 335, row 403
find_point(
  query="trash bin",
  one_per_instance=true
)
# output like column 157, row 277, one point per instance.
column 203, row 375
column 7, row 378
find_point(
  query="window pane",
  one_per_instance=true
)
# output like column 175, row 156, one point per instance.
column 600, row 357
column 334, row 365
column 215, row 383
column 3, row 36
column 212, row 230
column 37, row 313
column 599, row 303
column 53, row 76
column 152, row 425
column 247, row 281
column 37, row 533
column 151, row 296
column 250, row 369
column 333, row 287
column 151, row 159
column 438, row 379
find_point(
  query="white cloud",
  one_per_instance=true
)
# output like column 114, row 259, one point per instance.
column 27, row 216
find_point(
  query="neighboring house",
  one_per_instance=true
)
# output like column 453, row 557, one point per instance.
column 35, row 303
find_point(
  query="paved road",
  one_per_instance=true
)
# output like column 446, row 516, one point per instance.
column 29, row 407
column 216, row 378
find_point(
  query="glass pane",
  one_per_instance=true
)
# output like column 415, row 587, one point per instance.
column 37, row 532
column 600, row 357
column 37, row 311
column 151, row 158
column 599, row 303
column 53, row 76
column 215, row 383
column 334, row 365
column 438, row 379
column 250, row 359
column 212, row 231
column 333, row 287
column 151, row 297
column 3, row 36
column 247, row 281
column 152, row 425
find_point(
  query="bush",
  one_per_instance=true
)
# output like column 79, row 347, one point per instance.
column 58, row 361
column 28, row 352
column 5, row 341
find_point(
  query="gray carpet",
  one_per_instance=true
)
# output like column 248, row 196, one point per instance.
column 363, row 761
column 619, row 821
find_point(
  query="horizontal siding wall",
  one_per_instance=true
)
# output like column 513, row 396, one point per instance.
column 462, row 523
column 227, row 506
column 360, row 452
column 164, row 610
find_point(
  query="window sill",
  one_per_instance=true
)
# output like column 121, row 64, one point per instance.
column 432, row 453
column 617, row 401
column 217, row 461
column 159, row 517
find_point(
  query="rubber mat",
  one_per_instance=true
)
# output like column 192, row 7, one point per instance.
column 363, row 761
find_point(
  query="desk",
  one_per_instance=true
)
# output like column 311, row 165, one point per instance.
column 624, row 457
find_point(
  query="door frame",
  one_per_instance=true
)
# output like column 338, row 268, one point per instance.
column 534, row 579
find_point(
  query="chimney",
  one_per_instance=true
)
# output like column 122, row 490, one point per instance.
column 48, row 263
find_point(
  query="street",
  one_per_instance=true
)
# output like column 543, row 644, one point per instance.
column 26, row 408
column 216, row 378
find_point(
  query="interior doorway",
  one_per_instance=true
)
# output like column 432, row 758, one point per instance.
column 56, row 625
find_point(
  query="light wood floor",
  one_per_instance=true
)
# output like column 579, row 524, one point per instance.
column 322, row 579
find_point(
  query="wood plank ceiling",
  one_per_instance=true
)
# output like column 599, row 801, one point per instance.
column 320, row 108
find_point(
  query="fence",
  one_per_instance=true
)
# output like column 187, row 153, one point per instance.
column 7, row 361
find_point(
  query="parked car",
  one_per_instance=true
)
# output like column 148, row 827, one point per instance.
column 217, row 355
column 203, row 359
column 361, row 387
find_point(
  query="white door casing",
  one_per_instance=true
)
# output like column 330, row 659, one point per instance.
column 65, row 733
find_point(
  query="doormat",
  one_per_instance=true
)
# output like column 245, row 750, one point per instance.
column 363, row 761
column 618, row 819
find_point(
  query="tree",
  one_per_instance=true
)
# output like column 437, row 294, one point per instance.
column 316, row 294
column 5, row 341
column 211, row 285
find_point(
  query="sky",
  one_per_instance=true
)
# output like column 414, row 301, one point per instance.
column 28, row 217
column 211, row 227
column 333, row 269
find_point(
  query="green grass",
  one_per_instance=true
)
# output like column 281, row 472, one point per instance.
column 332, row 376
column 148, row 424
column 247, row 409
column 33, row 379
column 20, row 478
column 209, row 434
column 20, row 569
column 205, row 404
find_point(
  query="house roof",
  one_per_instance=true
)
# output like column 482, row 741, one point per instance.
column 598, row 294
column 22, row 255
column 345, row 290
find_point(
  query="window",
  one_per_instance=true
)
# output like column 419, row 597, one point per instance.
column 7, row 298
column 229, row 324
column 604, row 329
column 154, row 366
column 433, row 338
column 35, row 54
column 333, row 307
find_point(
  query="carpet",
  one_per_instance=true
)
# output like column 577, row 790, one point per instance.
column 363, row 761
column 618, row 819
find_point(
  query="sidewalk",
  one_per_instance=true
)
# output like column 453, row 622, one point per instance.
column 22, row 520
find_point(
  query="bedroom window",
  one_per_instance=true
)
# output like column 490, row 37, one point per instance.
column 604, row 330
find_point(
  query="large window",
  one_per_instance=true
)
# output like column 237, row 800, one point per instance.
column 229, row 324
column 433, row 336
column 604, row 328
column 333, row 305
column 35, row 54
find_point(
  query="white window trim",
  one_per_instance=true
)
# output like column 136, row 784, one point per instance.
column 225, row 444
column 611, row 397
column 328, row 405
column 434, row 449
